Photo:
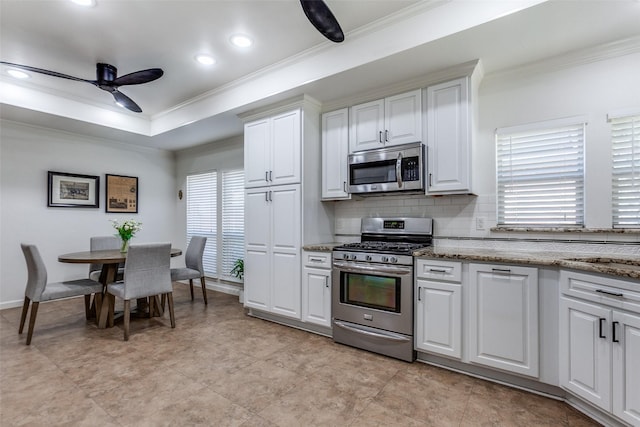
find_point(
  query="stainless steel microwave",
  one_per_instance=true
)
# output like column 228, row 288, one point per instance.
column 396, row 168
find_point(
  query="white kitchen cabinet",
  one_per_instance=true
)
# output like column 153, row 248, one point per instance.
column 272, row 150
column 316, row 288
column 503, row 318
column 335, row 155
column 272, row 241
column 394, row 120
column 600, row 342
column 438, row 307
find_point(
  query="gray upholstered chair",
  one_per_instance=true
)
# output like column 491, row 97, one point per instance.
column 38, row 290
column 194, row 268
column 146, row 274
column 99, row 243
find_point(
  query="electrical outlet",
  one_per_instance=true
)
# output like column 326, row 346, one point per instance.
column 479, row 223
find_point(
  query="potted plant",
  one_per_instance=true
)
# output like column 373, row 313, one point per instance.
column 238, row 271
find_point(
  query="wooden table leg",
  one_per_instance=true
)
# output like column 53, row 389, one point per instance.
column 107, row 275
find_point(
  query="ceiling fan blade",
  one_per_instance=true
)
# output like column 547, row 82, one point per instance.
column 139, row 77
column 47, row 72
column 125, row 101
column 321, row 17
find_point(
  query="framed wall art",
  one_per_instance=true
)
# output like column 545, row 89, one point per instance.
column 69, row 190
column 121, row 194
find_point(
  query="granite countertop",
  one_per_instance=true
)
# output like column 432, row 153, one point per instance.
column 622, row 267
column 321, row 247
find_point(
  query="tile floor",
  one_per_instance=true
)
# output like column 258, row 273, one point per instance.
column 220, row 367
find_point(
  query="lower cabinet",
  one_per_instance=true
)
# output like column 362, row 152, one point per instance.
column 439, row 317
column 600, row 345
column 316, row 288
column 503, row 318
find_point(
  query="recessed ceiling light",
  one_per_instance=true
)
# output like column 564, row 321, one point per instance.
column 18, row 74
column 241, row 40
column 205, row 59
column 85, row 3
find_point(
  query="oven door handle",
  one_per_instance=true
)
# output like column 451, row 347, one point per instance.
column 373, row 268
column 389, row 336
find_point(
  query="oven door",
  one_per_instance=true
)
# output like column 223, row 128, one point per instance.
column 375, row 295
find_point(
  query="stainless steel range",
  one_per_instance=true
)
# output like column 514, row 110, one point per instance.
column 372, row 294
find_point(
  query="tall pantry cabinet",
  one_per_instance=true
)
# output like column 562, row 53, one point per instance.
column 283, row 211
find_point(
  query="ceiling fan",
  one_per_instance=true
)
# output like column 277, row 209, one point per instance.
column 106, row 79
column 321, row 17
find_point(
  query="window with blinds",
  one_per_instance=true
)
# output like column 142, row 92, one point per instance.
column 232, row 220
column 540, row 174
column 202, row 216
column 625, row 141
column 215, row 201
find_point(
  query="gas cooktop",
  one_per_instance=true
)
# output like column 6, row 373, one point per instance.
column 401, row 248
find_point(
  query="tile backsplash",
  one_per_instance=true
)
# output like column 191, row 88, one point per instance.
column 465, row 221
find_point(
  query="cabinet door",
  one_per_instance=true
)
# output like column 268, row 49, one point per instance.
column 316, row 295
column 626, row 367
column 335, row 154
column 439, row 318
column 367, row 125
column 448, row 137
column 286, row 152
column 257, row 153
column 585, row 352
column 503, row 317
column 285, row 250
column 257, row 275
column 403, row 118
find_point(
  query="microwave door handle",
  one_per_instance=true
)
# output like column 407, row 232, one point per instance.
column 399, row 170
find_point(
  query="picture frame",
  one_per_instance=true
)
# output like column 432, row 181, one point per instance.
column 121, row 194
column 71, row 190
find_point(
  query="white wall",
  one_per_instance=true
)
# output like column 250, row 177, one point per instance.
column 26, row 154
column 535, row 93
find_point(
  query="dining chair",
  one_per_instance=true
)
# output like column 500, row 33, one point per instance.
column 146, row 274
column 98, row 243
column 38, row 290
column 194, row 268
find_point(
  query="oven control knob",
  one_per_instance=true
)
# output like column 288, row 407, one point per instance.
column 393, row 259
column 345, row 256
column 385, row 259
column 368, row 258
column 354, row 257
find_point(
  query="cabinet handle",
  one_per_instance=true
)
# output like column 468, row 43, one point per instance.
column 271, row 176
column 501, row 270
column 344, row 186
column 420, row 293
column 266, row 175
column 386, row 135
column 613, row 332
column 380, row 137
column 437, row 270
column 316, row 259
column 270, row 196
column 326, row 281
column 266, row 196
column 613, row 294
column 430, row 180
column 600, row 332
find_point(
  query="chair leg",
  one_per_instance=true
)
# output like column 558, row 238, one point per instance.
column 151, row 306
column 97, row 305
column 191, row 288
column 32, row 321
column 87, row 306
column 204, row 291
column 171, row 314
column 127, row 312
column 111, row 301
column 23, row 317
column 163, row 301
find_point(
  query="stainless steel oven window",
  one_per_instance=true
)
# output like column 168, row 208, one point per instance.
column 371, row 291
column 373, row 173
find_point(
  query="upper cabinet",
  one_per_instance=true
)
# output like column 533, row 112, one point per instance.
column 335, row 152
column 391, row 121
column 450, row 110
column 272, row 150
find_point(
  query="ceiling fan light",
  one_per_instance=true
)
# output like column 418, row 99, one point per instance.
column 241, row 40
column 18, row 74
column 85, row 3
column 205, row 59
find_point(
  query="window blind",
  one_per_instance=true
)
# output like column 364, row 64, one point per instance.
column 540, row 174
column 202, row 216
column 232, row 221
column 625, row 138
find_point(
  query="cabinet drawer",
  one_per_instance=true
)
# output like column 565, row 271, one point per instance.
column 612, row 292
column 450, row 271
column 317, row 259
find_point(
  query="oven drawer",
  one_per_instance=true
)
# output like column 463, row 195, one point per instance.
column 450, row 271
column 317, row 259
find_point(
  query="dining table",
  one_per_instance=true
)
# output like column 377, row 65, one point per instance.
column 110, row 260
